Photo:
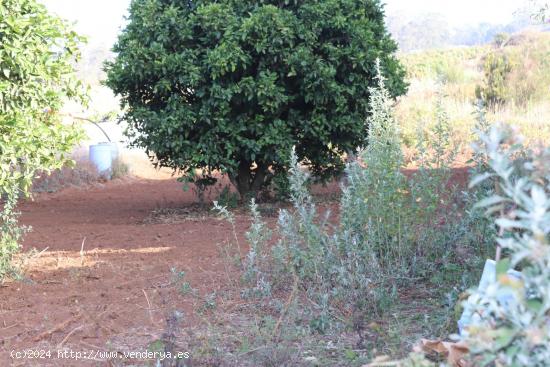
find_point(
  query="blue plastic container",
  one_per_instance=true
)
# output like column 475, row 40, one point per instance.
column 101, row 156
column 488, row 277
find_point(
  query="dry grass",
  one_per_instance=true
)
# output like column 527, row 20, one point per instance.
column 453, row 75
column 83, row 173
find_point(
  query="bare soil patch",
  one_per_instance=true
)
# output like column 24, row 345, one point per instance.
column 101, row 277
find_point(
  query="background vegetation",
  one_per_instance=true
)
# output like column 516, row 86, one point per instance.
column 455, row 74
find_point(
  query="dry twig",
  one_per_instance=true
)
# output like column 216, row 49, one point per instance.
column 150, row 308
column 69, row 335
column 56, row 328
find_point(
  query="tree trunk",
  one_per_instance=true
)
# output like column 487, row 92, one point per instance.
column 248, row 180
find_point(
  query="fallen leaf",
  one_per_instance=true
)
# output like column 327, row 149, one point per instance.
column 454, row 352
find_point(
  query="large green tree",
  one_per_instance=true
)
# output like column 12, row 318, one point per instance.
column 233, row 85
column 38, row 52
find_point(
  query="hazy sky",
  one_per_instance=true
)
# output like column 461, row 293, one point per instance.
column 461, row 12
column 101, row 19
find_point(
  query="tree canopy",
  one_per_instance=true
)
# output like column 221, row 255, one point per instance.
column 233, row 85
column 37, row 56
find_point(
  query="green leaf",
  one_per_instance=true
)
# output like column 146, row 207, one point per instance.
column 503, row 337
column 502, row 266
column 534, row 305
column 490, row 201
column 479, row 179
column 510, row 224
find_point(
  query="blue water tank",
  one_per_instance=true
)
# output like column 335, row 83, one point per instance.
column 101, row 156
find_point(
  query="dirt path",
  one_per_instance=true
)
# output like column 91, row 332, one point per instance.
column 117, row 293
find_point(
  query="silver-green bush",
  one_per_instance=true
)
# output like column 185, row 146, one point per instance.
column 513, row 326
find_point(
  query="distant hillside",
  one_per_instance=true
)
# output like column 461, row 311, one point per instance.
column 528, row 52
column 454, row 74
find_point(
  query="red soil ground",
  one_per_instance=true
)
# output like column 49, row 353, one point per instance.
column 101, row 277
column 118, row 293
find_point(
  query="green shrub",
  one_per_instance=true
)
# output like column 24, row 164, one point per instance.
column 227, row 198
column 38, row 53
column 234, row 85
column 496, row 68
column 280, row 187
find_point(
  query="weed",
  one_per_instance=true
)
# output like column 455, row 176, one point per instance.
column 209, row 303
column 227, row 198
column 183, row 286
column 510, row 316
column 83, row 173
column 234, row 253
column 119, row 169
column 11, row 234
column 257, row 257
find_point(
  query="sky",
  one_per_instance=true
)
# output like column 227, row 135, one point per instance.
column 461, row 12
column 101, row 20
